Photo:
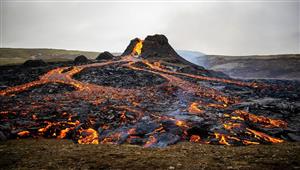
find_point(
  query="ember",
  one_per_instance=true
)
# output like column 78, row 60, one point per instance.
column 148, row 102
column 194, row 108
column 24, row 133
column 88, row 136
column 195, row 138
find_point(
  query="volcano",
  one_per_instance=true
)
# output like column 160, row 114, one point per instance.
column 149, row 96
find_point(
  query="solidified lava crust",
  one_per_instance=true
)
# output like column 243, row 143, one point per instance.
column 117, row 76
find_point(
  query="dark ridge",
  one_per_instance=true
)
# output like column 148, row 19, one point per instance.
column 157, row 47
column 131, row 46
column 34, row 63
column 81, row 59
column 105, row 56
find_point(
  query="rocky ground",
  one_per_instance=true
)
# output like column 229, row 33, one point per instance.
column 63, row 154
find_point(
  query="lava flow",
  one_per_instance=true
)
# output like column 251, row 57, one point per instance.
column 137, row 101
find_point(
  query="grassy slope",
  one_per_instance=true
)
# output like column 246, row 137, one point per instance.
column 19, row 55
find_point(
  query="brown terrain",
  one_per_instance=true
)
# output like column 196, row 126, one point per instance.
column 64, row 154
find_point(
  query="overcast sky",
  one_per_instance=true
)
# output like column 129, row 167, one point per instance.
column 229, row 28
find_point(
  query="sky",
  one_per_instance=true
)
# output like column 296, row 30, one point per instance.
column 212, row 27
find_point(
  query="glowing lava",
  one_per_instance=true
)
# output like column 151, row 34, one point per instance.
column 194, row 108
column 137, row 50
column 88, row 136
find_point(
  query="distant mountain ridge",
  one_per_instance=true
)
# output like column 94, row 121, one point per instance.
column 20, row 55
column 281, row 66
column 194, row 57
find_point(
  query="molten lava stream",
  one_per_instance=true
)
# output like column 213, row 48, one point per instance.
column 271, row 123
column 56, row 76
column 189, row 87
column 157, row 66
column 193, row 108
column 261, row 135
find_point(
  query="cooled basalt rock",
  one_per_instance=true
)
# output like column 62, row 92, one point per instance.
column 46, row 89
column 105, row 56
column 81, row 59
column 158, row 46
column 15, row 74
column 131, row 46
column 34, row 63
column 115, row 76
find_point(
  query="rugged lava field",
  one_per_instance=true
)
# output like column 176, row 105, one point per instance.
column 150, row 97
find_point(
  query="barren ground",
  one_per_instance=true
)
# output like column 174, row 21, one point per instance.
column 63, row 154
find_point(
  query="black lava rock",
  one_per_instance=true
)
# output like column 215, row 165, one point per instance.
column 131, row 46
column 157, row 46
column 81, row 59
column 105, row 56
column 34, row 63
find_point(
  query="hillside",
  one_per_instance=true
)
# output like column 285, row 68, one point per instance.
column 19, row 55
column 282, row 66
column 261, row 66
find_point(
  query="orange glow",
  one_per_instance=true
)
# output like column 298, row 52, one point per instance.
column 150, row 141
column 231, row 125
column 137, row 50
column 222, row 139
column 237, row 118
column 195, row 138
column 157, row 64
column 246, row 142
column 88, row 136
column 24, row 133
column 217, row 105
column 194, row 108
column 44, row 129
column 260, row 119
column 181, row 123
column 264, row 136
column 63, row 133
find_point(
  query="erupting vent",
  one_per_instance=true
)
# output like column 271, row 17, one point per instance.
column 137, row 50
